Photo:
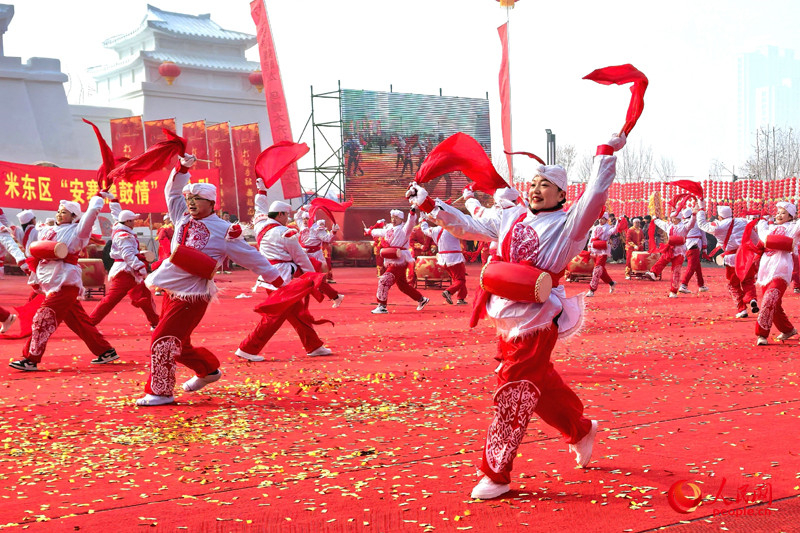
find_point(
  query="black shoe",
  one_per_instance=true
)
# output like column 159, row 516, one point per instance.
column 446, row 295
column 462, row 302
column 23, row 364
column 753, row 306
column 107, row 357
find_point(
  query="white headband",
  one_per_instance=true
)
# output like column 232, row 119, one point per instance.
column 397, row 213
column 206, row 191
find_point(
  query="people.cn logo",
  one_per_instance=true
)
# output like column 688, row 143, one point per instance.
column 684, row 496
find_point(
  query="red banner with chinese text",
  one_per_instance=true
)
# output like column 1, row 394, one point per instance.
column 153, row 130
column 196, row 141
column 127, row 136
column 221, row 153
column 277, row 109
column 246, row 147
column 35, row 187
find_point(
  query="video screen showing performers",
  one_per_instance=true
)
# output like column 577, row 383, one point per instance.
column 386, row 137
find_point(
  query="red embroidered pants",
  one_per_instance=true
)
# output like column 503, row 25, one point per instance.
column 57, row 307
column 171, row 343
column 742, row 291
column 121, row 284
column 396, row 274
column 268, row 326
column 772, row 309
column 693, row 267
column 599, row 272
column 458, row 280
column 677, row 263
column 528, row 383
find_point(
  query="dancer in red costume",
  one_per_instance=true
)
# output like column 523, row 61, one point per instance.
column 312, row 238
column 540, row 239
column 278, row 244
column 396, row 257
column 450, row 256
column 598, row 248
column 634, row 242
column 674, row 250
column 696, row 245
column 129, row 270
column 164, row 238
column 729, row 232
column 201, row 241
column 775, row 271
column 60, row 280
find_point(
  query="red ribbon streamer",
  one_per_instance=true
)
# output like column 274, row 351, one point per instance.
column 153, row 159
column 460, row 152
column 275, row 160
column 619, row 75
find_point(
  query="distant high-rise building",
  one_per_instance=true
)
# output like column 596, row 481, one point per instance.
column 769, row 94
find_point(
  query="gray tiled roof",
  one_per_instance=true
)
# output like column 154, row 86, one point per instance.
column 214, row 62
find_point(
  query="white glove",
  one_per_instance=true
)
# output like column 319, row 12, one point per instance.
column 260, row 184
column 416, row 194
column 107, row 195
column 188, row 160
column 701, row 204
column 96, row 202
column 25, row 268
column 617, row 141
column 382, row 221
column 335, row 228
column 4, row 229
column 468, row 193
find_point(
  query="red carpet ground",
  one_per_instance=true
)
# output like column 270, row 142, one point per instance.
column 386, row 434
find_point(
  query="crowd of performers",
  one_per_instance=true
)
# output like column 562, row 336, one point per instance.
column 524, row 240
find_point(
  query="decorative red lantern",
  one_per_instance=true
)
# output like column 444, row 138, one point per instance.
column 256, row 80
column 169, row 71
column 508, row 3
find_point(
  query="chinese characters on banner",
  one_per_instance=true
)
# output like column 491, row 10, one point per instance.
column 153, row 130
column 246, row 147
column 35, row 187
column 277, row 110
column 127, row 137
column 196, row 142
column 220, row 152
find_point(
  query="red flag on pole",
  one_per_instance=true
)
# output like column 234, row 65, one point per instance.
column 154, row 130
column 196, row 141
column 127, row 137
column 505, row 99
column 246, row 146
column 221, row 152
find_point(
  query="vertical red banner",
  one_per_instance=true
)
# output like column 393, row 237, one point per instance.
column 196, row 141
column 127, row 136
column 221, row 153
column 153, row 130
column 505, row 97
column 246, row 148
column 277, row 110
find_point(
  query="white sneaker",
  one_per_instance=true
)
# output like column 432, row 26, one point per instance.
column 380, row 310
column 322, row 350
column 684, row 289
column 651, row 275
column 486, row 489
column 583, row 448
column 627, row 277
column 422, row 303
column 4, row 326
column 151, row 399
column 589, row 294
column 611, row 286
column 742, row 314
column 250, row 357
column 761, row 341
column 195, row 384
column 703, row 289
column 673, row 295
column 338, row 301
column 785, row 336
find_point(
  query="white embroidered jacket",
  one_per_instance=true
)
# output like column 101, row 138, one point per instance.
column 445, row 242
column 397, row 237
column 210, row 235
column 311, row 237
column 279, row 244
column 676, row 230
column 719, row 229
column 52, row 275
column 601, row 232
column 776, row 264
column 548, row 240
column 125, row 249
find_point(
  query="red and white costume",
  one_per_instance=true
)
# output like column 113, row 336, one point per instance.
column 695, row 244
column 312, row 238
column 775, row 273
column 674, row 250
column 634, row 242
column 598, row 248
column 128, row 272
column 164, row 240
column 449, row 255
column 7, row 242
column 279, row 245
column 527, row 382
column 396, row 237
column 729, row 231
column 60, row 281
column 187, row 294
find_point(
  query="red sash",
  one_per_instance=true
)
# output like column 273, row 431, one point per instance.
column 263, row 232
column 26, row 237
column 312, row 249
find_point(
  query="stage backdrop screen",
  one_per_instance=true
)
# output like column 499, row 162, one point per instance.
column 386, row 136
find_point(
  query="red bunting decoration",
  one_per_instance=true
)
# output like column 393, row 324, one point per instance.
column 154, row 158
column 620, row 75
column 460, row 152
column 108, row 158
column 273, row 162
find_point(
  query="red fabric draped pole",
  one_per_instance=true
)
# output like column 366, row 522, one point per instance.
column 619, row 75
column 505, row 99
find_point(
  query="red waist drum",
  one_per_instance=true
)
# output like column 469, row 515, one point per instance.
column 390, row 253
column 49, row 250
column 677, row 240
column 513, row 281
column 780, row 243
column 193, row 261
column 597, row 244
